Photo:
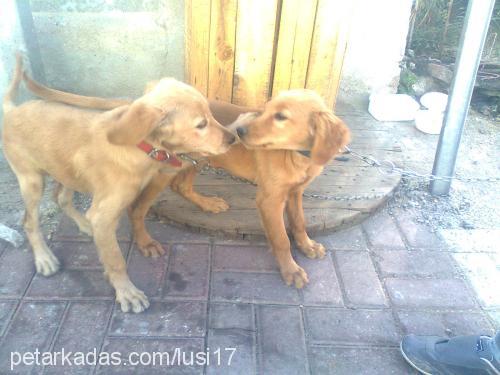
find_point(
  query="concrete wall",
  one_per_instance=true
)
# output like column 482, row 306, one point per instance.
column 109, row 48
column 376, row 46
column 11, row 40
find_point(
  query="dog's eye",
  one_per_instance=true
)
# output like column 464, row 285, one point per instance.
column 278, row 116
column 203, row 124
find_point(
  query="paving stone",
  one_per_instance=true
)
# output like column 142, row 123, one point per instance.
column 347, row 239
column 147, row 273
column 447, row 293
column 281, row 341
column 16, row 271
column 323, row 287
column 3, row 246
column 244, row 258
column 71, row 284
column 82, row 330
column 444, row 323
column 231, row 316
column 237, row 351
column 382, row 232
column 158, row 356
column 68, row 231
column 188, row 271
column 78, row 254
column 359, row 361
column 252, row 287
column 351, row 326
column 483, row 272
column 418, row 235
column 33, row 328
column 420, row 263
column 177, row 318
column 169, row 234
column 6, row 310
column 361, row 283
column 471, row 240
column 248, row 240
column 495, row 317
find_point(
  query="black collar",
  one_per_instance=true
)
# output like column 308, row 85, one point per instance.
column 305, row 153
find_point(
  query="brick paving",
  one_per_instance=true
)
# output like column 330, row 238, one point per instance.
column 380, row 280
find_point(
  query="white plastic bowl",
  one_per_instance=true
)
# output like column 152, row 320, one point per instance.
column 393, row 107
column 429, row 122
column 435, row 101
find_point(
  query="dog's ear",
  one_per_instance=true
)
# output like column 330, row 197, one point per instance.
column 131, row 124
column 330, row 135
column 150, row 86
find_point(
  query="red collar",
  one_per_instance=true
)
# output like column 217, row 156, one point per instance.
column 159, row 155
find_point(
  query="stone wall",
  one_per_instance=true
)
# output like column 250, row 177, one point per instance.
column 376, row 45
column 109, row 48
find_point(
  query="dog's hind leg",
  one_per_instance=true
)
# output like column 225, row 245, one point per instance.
column 137, row 214
column 295, row 213
column 65, row 201
column 31, row 185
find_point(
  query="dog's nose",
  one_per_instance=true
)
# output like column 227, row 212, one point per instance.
column 242, row 131
column 231, row 139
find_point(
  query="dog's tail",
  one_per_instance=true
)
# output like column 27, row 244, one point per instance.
column 77, row 100
column 8, row 99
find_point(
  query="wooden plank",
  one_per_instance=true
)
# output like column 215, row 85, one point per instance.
column 246, row 221
column 372, row 178
column 222, row 46
column 243, row 196
column 255, row 29
column 328, row 47
column 197, row 13
column 294, row 44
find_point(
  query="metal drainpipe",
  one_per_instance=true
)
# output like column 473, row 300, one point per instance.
column 469, row 53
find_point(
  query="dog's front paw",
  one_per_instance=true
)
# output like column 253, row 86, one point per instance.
column 131, row 298
column 213, row 204
column 312, row 249
column 46, row 263
column 151, row 248
column 295, row 275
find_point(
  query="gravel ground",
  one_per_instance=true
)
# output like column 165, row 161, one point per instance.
column 470, row 205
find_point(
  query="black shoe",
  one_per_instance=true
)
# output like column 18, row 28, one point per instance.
column 462, row 355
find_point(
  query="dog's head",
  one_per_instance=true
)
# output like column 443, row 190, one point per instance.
column 294, row 120
column 173, row 116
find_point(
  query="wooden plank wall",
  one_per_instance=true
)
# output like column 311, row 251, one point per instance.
column 245, row 51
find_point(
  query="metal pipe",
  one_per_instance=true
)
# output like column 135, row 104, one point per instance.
column 31, row 40
column 477, row 20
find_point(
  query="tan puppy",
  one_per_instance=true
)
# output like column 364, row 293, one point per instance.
column 296, row 120
column 97, row 152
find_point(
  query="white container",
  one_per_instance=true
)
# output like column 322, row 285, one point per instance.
column 435, row 101
column 393, row 107
column 429, row 121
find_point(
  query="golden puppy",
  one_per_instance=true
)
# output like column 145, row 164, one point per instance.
column 113, row 155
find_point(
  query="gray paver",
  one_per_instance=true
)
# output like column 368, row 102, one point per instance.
column 449, row 293
column 281, row 340
column 361, row 282
column 351, row 326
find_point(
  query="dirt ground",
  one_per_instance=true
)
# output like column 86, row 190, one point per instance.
column 470, row 205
